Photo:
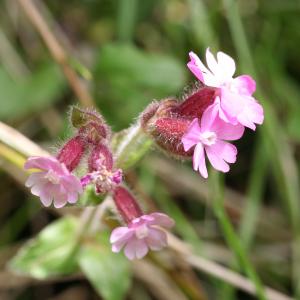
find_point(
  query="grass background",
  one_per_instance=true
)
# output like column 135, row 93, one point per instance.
column 130, row 52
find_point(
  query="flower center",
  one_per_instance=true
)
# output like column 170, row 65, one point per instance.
column 141, row 232
column 208, row 138
column 52, row 177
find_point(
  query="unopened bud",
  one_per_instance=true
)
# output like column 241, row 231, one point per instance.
column 90, row 124
column 71, row 153
column 126, row 204
column 167, row 133
column 196, row 103
column 100, row 157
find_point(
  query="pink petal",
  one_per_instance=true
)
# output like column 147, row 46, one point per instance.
column 195, row 66
column 161, row 219
column 216, row 160
column 135, row 249
column 209, row 116
column 226, row 131
column 245, row 85
column 38, row 187
column 120, row 233
column 224, row 150
column 252, row 113
column 59, row 200
column 46, row 198
column 35, row 178
column 72, row 197
column 38, row 162
column 201, row 72
column 157, row 239
column 232, row 104
column 141, row 248
column 212, row 63
column 199, row 160
column 226, row 64
column 191, row 137
column 72, row 183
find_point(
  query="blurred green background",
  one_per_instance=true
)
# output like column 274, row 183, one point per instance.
column 128, row 53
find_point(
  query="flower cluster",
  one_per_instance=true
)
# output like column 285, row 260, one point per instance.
column 143, row 232
column 215, row 112
column 53, row 180
column 233, row 108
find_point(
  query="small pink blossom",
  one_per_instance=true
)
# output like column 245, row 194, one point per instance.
column 209, row 137
column 236, row 102
column 104, row 180
column 141, row 235
column 53, row 181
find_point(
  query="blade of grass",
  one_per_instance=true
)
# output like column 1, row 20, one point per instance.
column 252, row 207
column 279, row 150
column 127, row 10
column 231, row 237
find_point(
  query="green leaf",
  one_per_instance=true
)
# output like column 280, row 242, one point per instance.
column 48, row 254
column 108, row 272
column 31, row 95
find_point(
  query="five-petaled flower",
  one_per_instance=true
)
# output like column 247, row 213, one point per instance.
column 237, row 106
column 141, row 234
column 209, row 136
column 52, row 181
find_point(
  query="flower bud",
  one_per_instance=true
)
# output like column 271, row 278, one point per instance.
column 168, row 132
column 90, row 124
column 71, row 153
column 126, row 204
column 196, row 103
column 100, row 157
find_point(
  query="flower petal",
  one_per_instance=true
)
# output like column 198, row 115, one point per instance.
column 191, row 137
column 216, row 160
column 161, row 219
column 199, row 160
column 226, row 64
column 38, row 162
column 245, row 85
column 120, row 233
column 141, row 248
column 252, row 113
column 209, row 116
column 225, row 151
column 195, row 65
column 212, row 63
column 227, row 131
column 157, row 239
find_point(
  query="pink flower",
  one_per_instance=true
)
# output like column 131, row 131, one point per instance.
column 53, row 182
column 236, row 102
column 141, row 235
column 210, row 138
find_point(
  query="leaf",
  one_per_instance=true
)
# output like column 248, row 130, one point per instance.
column 31, row 95
column 48, row 254
column 108, row 272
